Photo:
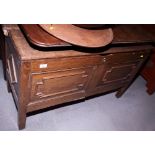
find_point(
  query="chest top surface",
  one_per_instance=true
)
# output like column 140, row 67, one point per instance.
column 124, row 38
column 122, row 34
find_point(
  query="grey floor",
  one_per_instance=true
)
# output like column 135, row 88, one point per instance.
column 135, row 110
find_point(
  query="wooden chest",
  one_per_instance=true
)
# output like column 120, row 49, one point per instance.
column 40, row 79
column 148, row 71
column 148, row 74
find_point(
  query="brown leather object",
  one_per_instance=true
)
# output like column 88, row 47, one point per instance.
column 123, row 34
column 38, row 37
column 80, row 36
column 90, row 26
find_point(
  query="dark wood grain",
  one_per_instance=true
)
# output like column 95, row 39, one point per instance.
column 123, row 34
column 148, row 73
column 132, row 33
column 50, row 78
column 24, row 93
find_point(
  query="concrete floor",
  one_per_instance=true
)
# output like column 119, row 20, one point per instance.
column 135, row 110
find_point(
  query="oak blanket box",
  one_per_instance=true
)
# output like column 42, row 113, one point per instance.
column 40, row 78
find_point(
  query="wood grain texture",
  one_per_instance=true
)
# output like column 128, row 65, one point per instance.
column 148, row 73
column 56, row 77
column 133, row 33
column 24, row 93
column 123, row 34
